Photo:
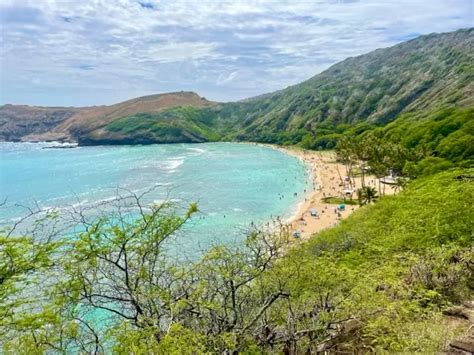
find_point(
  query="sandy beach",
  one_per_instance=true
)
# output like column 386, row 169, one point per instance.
column 328, row 180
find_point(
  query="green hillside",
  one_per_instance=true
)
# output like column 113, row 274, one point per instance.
column 173, row 125
column 394, row 266
column 416, row 76
column 420, row 92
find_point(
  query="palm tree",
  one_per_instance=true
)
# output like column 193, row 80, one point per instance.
column 345, row 153
column 367, row 195
column 378, row 156
column 363, row 148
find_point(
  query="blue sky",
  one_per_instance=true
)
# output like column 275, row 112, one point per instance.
column 92, row 52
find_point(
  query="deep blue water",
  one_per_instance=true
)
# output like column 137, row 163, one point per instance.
column 234, row 184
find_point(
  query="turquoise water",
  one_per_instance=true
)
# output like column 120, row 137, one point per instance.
column 234, row 184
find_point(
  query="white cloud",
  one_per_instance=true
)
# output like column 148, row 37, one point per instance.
column 227, row 77
column 177, row 52
column 100, row 51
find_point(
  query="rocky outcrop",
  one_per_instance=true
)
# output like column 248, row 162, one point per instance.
column 465, row 343
column 28, row 123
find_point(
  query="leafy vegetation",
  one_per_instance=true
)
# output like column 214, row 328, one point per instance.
column 396, row 264
column 367, row 195
column 377, row 282
column 411, row 146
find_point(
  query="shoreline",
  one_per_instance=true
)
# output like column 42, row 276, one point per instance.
column 327, row 177
column 322, row 176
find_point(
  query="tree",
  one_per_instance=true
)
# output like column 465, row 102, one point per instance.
column 115, row 286
column 345, row 153
column 362, row 149
column 121, row 269
column 119, row 266
column 367, row 195
column 28, row 258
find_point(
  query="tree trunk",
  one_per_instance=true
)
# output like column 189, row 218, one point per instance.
column 362, row 180
column 339, row 173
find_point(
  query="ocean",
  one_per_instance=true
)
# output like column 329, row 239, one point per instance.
column 234, row 184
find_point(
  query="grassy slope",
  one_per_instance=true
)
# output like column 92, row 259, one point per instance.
column 418, row 75
column 394, row 265
column 173, row 124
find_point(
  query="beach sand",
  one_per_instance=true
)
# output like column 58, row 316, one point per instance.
column 328, row 180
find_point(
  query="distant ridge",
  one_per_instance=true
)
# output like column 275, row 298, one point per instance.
column 35, row 123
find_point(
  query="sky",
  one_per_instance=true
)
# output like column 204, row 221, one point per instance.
column 95, row 52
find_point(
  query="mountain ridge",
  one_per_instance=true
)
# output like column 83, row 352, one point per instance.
column 363, row 88
column 419, row 75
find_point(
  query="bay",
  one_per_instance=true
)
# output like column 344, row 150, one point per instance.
column 234, row 184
